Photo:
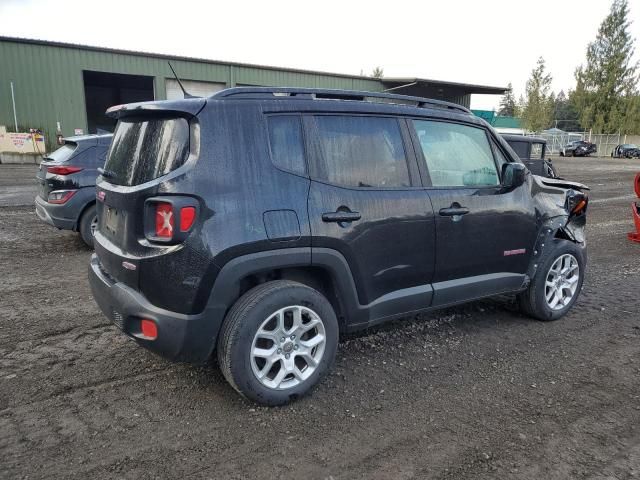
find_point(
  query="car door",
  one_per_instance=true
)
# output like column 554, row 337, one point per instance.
column 366, row 201
column 484, row 233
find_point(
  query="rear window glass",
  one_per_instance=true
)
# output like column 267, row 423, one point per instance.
column 63, row 153
column 361, row 151
column 143, row 149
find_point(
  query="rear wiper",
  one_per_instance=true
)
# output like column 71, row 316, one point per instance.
column 106, row 173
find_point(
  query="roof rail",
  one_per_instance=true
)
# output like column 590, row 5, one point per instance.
column 334, row 94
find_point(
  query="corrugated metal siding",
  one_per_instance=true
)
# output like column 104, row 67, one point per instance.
column 49, row 86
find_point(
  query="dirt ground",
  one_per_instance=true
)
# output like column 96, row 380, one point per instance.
column 478, row 391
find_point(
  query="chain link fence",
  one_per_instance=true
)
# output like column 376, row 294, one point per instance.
column 557, row 139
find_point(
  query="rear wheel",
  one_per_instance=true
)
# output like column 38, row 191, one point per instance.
column 557, row 284
column 88, row 225
column 278, row 341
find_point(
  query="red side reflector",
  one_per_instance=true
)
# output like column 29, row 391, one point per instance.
column 164, row 220
column 60, row 170
column 149, row 329
column 187, row 217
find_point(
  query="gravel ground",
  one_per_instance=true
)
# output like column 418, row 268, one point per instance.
column 478, row 391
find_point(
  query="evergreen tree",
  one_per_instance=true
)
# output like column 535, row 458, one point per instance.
column 606, row 87
column 378, row 72
column 565, row 116
column 508, row 103
column 538, row 109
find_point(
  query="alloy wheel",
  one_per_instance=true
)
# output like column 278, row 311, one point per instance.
column 288, row 347
column 562, row 281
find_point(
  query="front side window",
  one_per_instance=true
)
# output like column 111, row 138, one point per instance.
column 287, row 146
column 361, row 151
column 456, row 155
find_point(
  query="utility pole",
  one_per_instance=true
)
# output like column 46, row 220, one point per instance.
column 13, row 100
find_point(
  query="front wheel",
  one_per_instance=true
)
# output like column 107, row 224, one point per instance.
column 557, row 283
column 278, row 341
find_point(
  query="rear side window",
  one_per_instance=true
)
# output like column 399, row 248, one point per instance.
column 287, row 146
column 63, row 153
column 361, row 151
column 456, row 155
column 143, row 149
column 521, row 148
column 536, row 150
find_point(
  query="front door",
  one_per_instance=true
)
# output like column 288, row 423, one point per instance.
column 484, row 233
column 366, row 202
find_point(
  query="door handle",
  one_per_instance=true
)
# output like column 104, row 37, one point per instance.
column 341, row 217
column 453, row 211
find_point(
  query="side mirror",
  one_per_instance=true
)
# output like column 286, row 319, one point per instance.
column 513, row 175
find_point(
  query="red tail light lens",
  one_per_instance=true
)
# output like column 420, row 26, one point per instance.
column 164, row 220
column 58, row 197
column 66, row 170
column 187, row 217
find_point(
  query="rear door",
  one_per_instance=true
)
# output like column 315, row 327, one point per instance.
column 366, row 202
column 484, row 233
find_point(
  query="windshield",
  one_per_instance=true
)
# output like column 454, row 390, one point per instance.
column 143, row 149
column 63, row 153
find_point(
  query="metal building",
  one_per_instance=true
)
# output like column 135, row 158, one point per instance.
column 50, row 85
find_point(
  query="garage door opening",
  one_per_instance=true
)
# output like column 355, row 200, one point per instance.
column 103, row 90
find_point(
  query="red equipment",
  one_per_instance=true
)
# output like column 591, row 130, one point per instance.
column 635, row 208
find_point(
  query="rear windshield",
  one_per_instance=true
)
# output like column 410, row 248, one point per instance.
column 63, row 153
column 143, row 149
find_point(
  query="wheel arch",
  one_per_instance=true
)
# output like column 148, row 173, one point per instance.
column 326, row 270
column 86, row 207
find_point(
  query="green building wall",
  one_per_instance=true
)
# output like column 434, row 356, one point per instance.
column 49, row 88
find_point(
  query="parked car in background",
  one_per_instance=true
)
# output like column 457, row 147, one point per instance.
column 532, row 151
column 626, row 150
column 67, row 184
column 578, row 148
column 259, row 223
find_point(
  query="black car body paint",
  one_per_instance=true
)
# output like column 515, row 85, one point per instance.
column 377, row 252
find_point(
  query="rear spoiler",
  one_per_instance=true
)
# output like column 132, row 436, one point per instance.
column 190, row 106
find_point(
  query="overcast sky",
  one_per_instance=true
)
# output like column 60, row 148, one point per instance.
column 490, row 42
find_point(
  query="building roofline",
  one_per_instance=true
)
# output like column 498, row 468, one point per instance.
column 52, row 43
column 384, row 81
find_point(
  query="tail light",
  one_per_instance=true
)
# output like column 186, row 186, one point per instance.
column 59, row 197
column 164, row 220
column 169, row 219
column 63, row 170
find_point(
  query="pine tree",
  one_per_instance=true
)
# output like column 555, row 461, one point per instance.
column 538, row 109
column 606, row 87
column 508, row 103
column 378, row 72
column 565, row 116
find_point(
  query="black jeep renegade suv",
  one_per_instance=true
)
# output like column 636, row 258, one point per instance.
column 259, row 223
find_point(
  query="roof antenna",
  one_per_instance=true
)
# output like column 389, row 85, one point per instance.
column 186, row 95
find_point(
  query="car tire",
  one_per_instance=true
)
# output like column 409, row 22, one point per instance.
column 546, row 287
column 263, row 320
column 562, row 153
column 87, row 225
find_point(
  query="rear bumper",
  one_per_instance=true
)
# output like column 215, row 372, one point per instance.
column 189, row 338
column 65, row 216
